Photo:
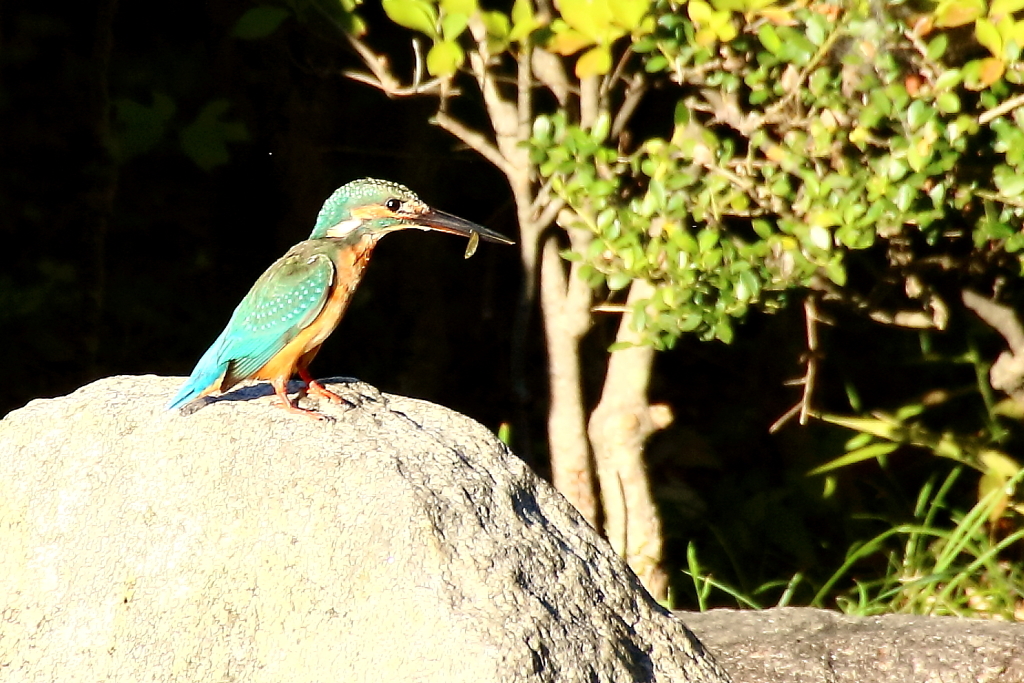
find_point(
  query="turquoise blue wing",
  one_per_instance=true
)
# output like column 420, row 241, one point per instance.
column 286, row 299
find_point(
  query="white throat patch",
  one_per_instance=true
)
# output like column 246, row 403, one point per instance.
column 343, row 228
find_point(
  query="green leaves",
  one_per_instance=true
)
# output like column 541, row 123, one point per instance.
column 594, row 25
column 782, row 183
column 704, row 278
column 953, row 13
column 712, row 25
column 259, row 22
column 140, row 129
column 445, row 58
column 206, row 139
column 585, row 27
column 796, row 153
column 443, row 22
column 418, row 15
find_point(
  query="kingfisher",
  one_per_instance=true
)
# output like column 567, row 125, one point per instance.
column 278, row 328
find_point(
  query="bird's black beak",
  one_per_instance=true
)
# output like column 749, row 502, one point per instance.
column 432, row 219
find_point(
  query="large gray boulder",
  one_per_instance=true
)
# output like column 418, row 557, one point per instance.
column 401, row 542
column 803, row 645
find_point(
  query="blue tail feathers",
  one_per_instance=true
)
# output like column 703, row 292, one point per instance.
column 208, row 370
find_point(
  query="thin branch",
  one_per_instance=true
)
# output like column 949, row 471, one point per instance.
column 474, row 140
column 550, row 212
column 1004, row 107
column 418, row 60
column 634, row 93
column 590, row 101
column 786, row 417
column 431, row 87
column 929, row 66
column 524, row 93
column 1002, row 319
column 502, row 113
column 542, row 197
column 913, row 319
column 550, row 72
column 610, row 308
column 811, row 317
column 380, row 76
column 803, row 407
column 995, row 197
column 616, row 74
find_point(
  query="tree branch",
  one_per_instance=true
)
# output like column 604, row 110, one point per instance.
column 1007, row 372
column 380, row 75
column 619, row 428
column 812, row 357
column 474, row 140
column 1000, row 109
column 1001, row 318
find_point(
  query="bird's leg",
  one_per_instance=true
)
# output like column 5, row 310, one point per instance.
column 281, row 389
column 319, row 389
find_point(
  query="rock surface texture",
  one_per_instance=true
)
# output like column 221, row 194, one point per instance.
column 803, row 645
column 401, row 542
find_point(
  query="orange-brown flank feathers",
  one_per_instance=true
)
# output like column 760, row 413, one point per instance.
column 299, row 352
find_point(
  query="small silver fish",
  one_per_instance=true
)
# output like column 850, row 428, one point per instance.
column 474, row 242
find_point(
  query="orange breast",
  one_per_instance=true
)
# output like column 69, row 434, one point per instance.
column 349, row 266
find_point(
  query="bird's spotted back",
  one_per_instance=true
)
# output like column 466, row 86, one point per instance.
column 289, row 299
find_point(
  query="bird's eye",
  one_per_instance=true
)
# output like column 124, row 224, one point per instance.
column 393, row 204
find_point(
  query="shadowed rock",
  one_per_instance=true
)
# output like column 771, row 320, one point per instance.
column 400, row 542
column 803, row 645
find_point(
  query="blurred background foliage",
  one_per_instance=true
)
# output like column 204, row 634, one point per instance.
column 829, row 193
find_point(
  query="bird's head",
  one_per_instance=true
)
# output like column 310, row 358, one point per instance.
column 372, row 208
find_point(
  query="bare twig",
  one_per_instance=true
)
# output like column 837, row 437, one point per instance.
column 419, row 61
column 1004, row 107
column 524, row 95
column 550, row 212
column 474, row 140
column 380, row 75
column 803, row 407
column 610, row 308
column 590, row 101
column 634, row 93
column 550, row 71
column 391, row 89
column 1002, row 319
column 995, row 197
column 1007, row 372
column 616, row 74
column 811, row 318
column 912, row 319
column 542, row 197
column 786, row 417
column 930, row 66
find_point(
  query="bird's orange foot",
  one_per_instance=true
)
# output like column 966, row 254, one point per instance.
column 305, row 412
column 292, row 406
column 318, row 389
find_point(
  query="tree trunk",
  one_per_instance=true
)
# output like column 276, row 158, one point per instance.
column 619, row 428
column 565, row 303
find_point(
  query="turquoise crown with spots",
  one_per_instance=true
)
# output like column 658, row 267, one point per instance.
column 362, row 192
